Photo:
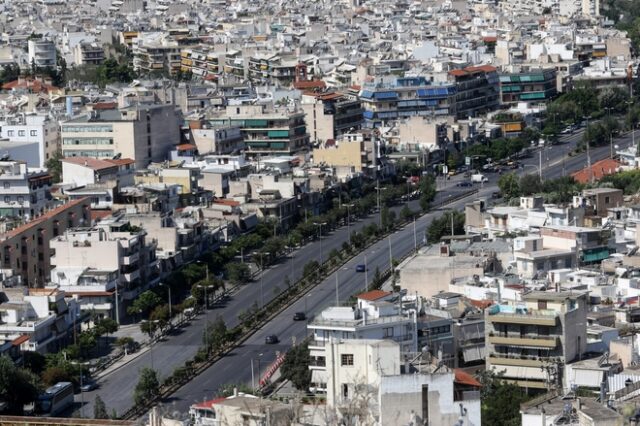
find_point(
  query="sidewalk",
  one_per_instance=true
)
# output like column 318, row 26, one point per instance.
column 129, row 330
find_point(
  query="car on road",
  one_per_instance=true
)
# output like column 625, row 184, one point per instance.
column 88, row 386
column 271, row 339
column 464, row 184
column 360, row 268
column 495, row 195
column 299, row 316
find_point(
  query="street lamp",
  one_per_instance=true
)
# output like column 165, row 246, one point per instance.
column 253, row 379
column 168, row 288
column 349, row 221
column 261, row 277
column 319, row 225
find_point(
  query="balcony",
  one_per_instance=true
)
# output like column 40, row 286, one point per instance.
column 130, row 259
column 527, row 341
column 540, row 317
column 132, row 276
column 522, row 361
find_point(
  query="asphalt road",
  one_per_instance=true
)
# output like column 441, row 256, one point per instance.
column 116, row 389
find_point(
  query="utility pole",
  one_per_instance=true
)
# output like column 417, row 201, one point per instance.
column 415, row 237
column 366, row 274
column 452, row 223
column 337, row 289
column 390, row 255
column 540, row 164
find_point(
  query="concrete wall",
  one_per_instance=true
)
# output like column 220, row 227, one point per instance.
column 345, row 154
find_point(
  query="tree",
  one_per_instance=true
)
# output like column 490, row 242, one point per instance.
column 215, row 335
column 442, row 226
column 406, row 213
column 530, row 184
column 144, row 303
column 149, row 328
column 17, row 386
column 160, row 316
column 9, row 73
column 500, row 400
column 106, row 326
column 55, row 374
column 509, row 185
column 238, row 273
column 148, row 386
column 99, row 409
column 54, row 166
column 295, row 367
column 34, row 362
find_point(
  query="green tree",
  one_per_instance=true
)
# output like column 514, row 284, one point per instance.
column 34, row 362
column 509, row 186
column 149, row 328
column 144, row 303
column 500, row 400
column 238, row 273
column 530, row 184
column 17, row 386
column 295, row 367
column 9, row 73
column 441, row 226
column 54, row 166
column 148, row 386
column 215, row 335
column 99, row 409
column 160, row 316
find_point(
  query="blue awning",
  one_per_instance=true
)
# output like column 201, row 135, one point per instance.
column 385, row 95
column 366, row 94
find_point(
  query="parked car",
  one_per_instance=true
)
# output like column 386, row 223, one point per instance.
column 88, row 386
column 299, row 316
column 496, row 195
column 271, row 339
column 464, row 184
column 360, row 268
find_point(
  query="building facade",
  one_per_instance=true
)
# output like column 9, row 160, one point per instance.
column 24, row 193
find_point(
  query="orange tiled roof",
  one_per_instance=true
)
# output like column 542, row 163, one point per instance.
column 185, row 147
column 34, row 85
column 465, row 378
column 92, row 163
column 48, row 215
column 309, row 84
column 20, row 340
column 599, row 170
column 373, row 295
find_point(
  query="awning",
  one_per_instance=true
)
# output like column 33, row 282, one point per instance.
column 473, row 353
column 319, row 376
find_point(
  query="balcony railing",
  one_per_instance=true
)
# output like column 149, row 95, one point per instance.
column 526, row 340
column 540, row 317
column 521, row 361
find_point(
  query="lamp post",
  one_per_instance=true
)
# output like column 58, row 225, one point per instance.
column 169, row 289
column 349, row 221
column 319, row 225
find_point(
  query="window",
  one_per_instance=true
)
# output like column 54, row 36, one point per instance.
column 606, row 200
column 33, row 133
column 10, row 133
column 7, row 185
column 21, row 132
column 387, row 332
column 345, row 391
column 346, row 360
column 20, row 199
column 7, row 198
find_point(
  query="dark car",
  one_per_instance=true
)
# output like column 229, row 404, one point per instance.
column 496, row 195
column 360, row 268
column 271, row 339
column 88, row 386
column 299, row 316
column 464, row 184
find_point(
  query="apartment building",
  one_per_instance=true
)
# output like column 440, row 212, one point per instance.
column 597, row 201
column 272, row 67
column 201, row 62
column 144, row 133
column 591, row 244
column 24, row 193
column 405, row 97
column 374, row 317
column 478, row 90
column 532, row 341
column 28, row 129
column 376, row 377
column 41, row 53
column 349, row 157
column 84, row 171
column 88, row 54
column 330, row 114
column 37, row 320
column 533, row 87
column 152, row 55
column 102, row 268
column 267, row 130
column 218, row 140
column 26, row 251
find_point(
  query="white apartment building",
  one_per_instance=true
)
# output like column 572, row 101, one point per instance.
column 22, row 130
column 95, row 264
column 36, row 319
column 219, row 140
column 533, row 340
column 42, row 53
column 144, row 133
column 24, row 193
column 374, row 317
column 88, row 53
column 376, row 378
